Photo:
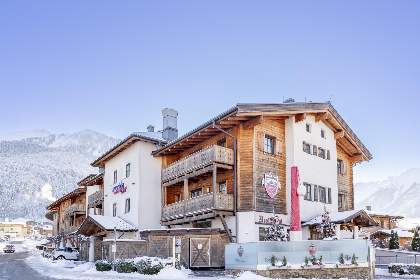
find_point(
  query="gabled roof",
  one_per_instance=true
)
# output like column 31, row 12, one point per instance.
column 74, row 193
column 84, row 180
column 98, row 179
column 242, row 113
column 94, row 224
column 342, row 218
column 153, row 137
column 401, row 233
column 383, row 214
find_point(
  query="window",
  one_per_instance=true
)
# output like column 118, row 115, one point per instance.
column 114, row 209
column 322, row 153
column 329, row 196
column 340, row 201
column 322, row 195
column 196, row 193
column 322, row 133
column 177, row 197
column 222, row 187
column 308, row 192
column 115, row 177
column 127, row 205
column 308, row 127
column 339, row 166
column 315, row 193
column 269, row 145
column 222, row 142
column 127, row 170
column 382, row 224
column 308, row 148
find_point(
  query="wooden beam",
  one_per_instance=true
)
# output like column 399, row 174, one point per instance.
column 339, row 134
column 300, row 117
column 102, row 233
column 321, row 117
column 238, row 118
column 253, row 122
column 230, row 122
column 356, row 158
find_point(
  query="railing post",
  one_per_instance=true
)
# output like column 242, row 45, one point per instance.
column 214, row 184
column 185, row 194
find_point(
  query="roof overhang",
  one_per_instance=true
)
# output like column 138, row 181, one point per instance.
column 253, row 114
column 123, row 145
column 92, row 226
column 72, row 194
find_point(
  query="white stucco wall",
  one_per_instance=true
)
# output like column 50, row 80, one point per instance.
column 312, row 169
column 143, row 186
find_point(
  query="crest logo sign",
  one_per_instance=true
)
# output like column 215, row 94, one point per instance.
column 240, row 251
column 312, row 249
column 271, row 184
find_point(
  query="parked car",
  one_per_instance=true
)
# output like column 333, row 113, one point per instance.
column 65, row 253
column 9, row 249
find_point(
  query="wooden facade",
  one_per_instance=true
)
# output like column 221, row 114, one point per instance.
column 249, row 124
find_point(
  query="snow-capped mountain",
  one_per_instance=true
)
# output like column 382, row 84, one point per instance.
column 37, row 166
column 395, row 195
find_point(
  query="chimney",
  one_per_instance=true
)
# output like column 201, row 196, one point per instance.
column 150, row 128
column 369, row 208
column 170, row 132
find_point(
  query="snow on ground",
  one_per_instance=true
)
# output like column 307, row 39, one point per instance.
column 63, row 269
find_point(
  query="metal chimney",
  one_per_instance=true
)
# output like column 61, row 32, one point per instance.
column 150, row 128
column 170, row 131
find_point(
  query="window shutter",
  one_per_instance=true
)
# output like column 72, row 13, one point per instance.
column 315, row 149
column 306, row 194
column 344, row 166
column 328, row 155
column 315, row 193
column 329, row 196
column 279, row 147
column 304, row 146
column 260, row 136
column 344, row 202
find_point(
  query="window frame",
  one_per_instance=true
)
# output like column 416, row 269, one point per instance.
column 309, row 192
column 339, row 167
column 223, row 183
column 114, row 209
column 340, row 201
column 222, row 142
column 308, row 127
column 308, row 149
column 127, row 205
column 128, row 170
column 269, row 149
column 115, row 176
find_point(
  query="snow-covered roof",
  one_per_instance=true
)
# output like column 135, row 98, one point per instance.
column 340, row 217
column 105, row 223
column 401, row 233
column 383, row 214
column 151, row 135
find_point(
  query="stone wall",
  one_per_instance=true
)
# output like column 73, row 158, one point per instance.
column 308, row 273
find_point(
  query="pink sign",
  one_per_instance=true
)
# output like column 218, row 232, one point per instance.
column 271, row 184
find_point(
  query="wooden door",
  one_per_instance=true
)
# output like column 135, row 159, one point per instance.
column 200, row 252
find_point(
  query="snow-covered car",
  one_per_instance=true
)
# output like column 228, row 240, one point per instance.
column 9, row 249
column 65, row 253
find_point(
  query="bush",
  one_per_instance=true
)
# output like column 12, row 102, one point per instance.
column 146, row 267
column 103, row 265
column 124, row 266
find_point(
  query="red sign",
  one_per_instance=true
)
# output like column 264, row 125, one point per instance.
column 271, row 184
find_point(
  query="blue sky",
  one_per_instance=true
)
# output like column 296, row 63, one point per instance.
column 111, row 66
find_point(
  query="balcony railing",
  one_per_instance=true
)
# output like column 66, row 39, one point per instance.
column 76, row 207
column 206, row 156
column 197, row 205
column 71, row 229
column 95, row 198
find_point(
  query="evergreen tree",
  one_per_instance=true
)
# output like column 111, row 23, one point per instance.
column 415, row 244
column 394, row 242
column 276, row 232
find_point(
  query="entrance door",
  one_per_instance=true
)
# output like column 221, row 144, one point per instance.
column 200, row 252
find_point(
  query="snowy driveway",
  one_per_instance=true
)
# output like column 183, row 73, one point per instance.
column 13, row 266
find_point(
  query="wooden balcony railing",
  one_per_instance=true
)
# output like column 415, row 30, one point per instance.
column 95, row 198
column 203, row 203
column 206, row 156
column 76, row 207
column 70, row 229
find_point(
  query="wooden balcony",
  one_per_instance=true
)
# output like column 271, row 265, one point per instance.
column 75, row 209
column 96, row 198
column 71, row 229
column 198, row 208
column 211, row 154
